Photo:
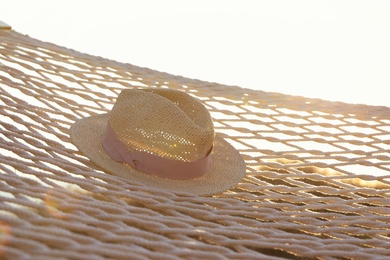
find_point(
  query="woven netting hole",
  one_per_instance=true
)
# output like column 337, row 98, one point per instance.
column 318, row 170
column 331, row 211
column 361, row 236
column 246, row 192
column 272, row 169
column 206, row 239
column 283, row 202
column 276, row 252
column 369, row 195
column 359, row 182
column 274, row 181
column 317, row 183
column 321, row 194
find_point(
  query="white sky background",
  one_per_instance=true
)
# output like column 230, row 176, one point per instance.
column 334, row 50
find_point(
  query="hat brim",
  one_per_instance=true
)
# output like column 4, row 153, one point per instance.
column 226, row 170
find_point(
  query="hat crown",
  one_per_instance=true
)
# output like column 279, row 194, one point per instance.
column 167, row 123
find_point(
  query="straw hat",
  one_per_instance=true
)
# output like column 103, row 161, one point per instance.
column 160, row 138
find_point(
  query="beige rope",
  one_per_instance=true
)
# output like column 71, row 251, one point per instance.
column 317, row 184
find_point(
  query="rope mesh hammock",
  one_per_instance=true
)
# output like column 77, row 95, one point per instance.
column 317, row 183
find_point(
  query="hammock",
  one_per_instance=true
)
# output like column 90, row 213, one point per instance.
column 317, row 182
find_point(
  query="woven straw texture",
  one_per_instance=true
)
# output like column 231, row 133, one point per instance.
column 179, row 129
column 317, row 183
